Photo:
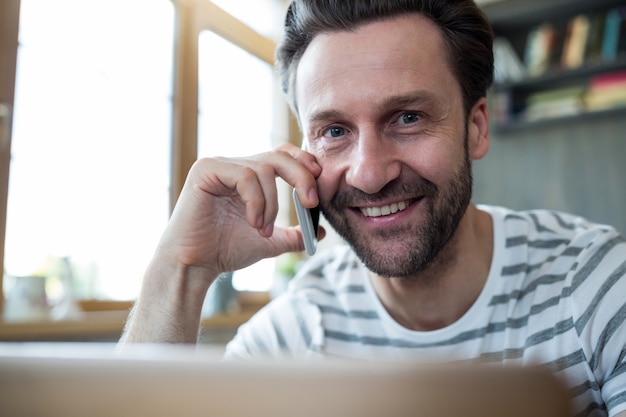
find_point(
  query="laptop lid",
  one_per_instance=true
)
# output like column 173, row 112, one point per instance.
column 162, row 381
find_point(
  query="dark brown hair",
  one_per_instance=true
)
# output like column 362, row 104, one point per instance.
column 465, row 29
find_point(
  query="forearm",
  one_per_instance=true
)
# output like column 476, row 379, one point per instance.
column 169, row 306
column 226, row 205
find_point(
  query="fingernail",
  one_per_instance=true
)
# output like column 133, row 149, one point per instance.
column 268, row 230
column 259, row 222
column 313, row 194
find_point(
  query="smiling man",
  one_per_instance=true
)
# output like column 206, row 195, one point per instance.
column 390, row 96
column 396, row 156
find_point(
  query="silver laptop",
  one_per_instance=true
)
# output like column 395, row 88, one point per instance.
column 83, row 380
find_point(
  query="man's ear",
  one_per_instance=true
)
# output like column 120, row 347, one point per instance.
column 478, row 130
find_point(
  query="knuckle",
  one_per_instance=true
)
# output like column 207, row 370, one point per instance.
column 248, row 175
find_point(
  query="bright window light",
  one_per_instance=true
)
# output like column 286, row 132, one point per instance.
column 90, row 163
column 264, row 16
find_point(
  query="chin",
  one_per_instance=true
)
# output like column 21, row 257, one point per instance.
column 395, row 261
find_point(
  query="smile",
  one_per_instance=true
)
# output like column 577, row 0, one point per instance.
column 385, row 210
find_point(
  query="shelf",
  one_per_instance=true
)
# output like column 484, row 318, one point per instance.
column 104, row 321
column 558, row 77
column 517, row 125
column 558, row 95
column 98, row 326
column 509, row 16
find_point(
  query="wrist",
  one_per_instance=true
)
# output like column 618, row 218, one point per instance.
column 170, row 303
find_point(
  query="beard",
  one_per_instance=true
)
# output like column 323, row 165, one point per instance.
column 405, row 251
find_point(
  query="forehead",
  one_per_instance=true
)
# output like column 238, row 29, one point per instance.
column 390, row 55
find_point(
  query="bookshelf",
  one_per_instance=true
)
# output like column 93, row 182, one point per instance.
column 560, row 61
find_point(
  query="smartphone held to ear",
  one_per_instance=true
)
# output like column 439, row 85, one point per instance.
column 309, row 221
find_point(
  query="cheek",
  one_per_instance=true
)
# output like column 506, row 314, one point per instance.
column 328, row 183
column 435, row 163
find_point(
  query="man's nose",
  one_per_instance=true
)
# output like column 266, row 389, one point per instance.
column 373, row 163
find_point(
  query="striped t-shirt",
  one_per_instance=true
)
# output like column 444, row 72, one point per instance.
column 555, row 296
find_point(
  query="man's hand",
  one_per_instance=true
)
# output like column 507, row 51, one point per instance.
column 223, row 221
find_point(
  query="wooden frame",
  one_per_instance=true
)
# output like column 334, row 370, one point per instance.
column 192, row 17
column 9, row 24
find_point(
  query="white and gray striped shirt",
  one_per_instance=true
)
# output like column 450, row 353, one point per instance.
column 555, row 295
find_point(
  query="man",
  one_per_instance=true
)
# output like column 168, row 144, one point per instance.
column 390, row 96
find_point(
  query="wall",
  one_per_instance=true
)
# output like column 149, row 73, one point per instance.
column 577, row 166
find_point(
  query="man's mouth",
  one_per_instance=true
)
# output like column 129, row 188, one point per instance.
column 385, row 210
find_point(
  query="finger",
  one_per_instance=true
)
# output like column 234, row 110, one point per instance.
column 223, row 177
column 291, row 239
column 287, row 239
column 249, row 176
column 266, row 176
column 256, row 186
column 302, row 156
column 298, row 168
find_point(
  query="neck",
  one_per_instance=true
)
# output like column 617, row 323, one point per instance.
column 442, row 293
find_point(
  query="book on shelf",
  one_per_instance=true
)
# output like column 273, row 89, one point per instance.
column 606, row 91
column 575, row 42
column 540, row 45
column 614, row 39
column 501, row 106
column 554, row 103
column 596, row 36
column 585, row 38
column 508, row 66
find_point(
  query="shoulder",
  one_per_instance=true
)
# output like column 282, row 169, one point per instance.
column 544, row 229
column 555, row 252
column 568, row 257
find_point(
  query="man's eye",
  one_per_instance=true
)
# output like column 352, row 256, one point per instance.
column 335, row 132
column 409, row 118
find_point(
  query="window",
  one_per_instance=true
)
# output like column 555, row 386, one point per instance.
column 91, row 134
column 263, row 16
column 91, row 175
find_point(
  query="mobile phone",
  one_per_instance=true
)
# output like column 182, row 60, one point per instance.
column 309, row 222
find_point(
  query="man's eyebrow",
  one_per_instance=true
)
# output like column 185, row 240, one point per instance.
column 325, row 115
column 418, row 97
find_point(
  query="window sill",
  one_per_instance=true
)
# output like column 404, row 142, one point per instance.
column 92, row 325
column 104, row 321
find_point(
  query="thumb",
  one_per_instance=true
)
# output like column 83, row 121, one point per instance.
column 294, row 241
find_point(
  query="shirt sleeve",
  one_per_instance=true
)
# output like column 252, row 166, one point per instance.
column 599, row 291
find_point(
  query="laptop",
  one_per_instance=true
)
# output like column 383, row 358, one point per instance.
column 83, row 380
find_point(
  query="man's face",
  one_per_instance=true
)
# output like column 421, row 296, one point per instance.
column 383, row 114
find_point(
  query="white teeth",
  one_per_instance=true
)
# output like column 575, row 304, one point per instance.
column 384, row 210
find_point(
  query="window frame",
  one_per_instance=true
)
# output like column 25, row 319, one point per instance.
column 9, row 29
column 193, row 17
